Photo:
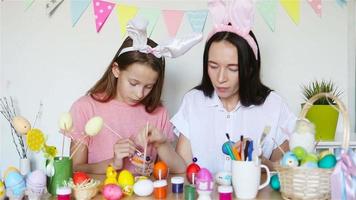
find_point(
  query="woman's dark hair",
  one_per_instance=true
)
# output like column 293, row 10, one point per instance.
column 107, row 83
column 251, row 90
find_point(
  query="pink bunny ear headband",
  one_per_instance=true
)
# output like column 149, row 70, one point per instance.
column 239, row 13
column 136, row 30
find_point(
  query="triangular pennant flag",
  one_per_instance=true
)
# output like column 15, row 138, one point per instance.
column 102, row 10
column 125, row 13
column 173, row 19
column 77, row 8
column 52, row 5
column 268, row 10
column 316, row 5
column 341, row 2
column 197, row 19
column 151, row 14
column 292, row 7
column 28, row 3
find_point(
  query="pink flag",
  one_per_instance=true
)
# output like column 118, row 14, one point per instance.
column 316, row 5
column 102, row 10
column 173, row 19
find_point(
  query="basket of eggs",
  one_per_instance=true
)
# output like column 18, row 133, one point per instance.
column 84, row 187
column 302, row 173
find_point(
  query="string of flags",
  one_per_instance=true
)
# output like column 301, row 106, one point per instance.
column 173, row 18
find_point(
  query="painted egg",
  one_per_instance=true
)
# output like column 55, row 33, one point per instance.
column 289, row 160
column 15, row 183
column 329, row 161
column 2, row 190
column 192, row 171
column 36, row 181
column 80, row 177
column 21, row 125
column 299, row 152
column 324, row 153
column 112, row 192
column 274, row 182
column 204, row 175
column 160, row 170
column 10, row 169
column 126, row 178
column 223, row 178
column 35, row 139
column 94, row 126
column 66, row 122
column 143, row 187
column 310, row 157
column 309, row 165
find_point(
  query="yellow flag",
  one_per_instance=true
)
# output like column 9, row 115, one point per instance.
column 292, row 7
column 125, row 13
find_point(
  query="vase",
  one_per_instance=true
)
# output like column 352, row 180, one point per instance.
column 25, row 166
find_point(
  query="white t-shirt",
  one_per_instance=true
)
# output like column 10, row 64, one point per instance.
column 204, row 121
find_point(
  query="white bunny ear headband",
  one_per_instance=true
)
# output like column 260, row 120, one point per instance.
column 136, row 29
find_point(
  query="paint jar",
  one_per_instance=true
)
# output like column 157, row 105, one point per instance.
column 177, row 184
column 160, row 189
column 63, row 193
column 225, row 192
column 189, row 192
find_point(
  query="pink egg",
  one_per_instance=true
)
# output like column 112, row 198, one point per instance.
column 36, row 181
column 112, row 192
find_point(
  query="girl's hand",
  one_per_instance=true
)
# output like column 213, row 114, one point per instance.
column 122, row 149
column 151, row 135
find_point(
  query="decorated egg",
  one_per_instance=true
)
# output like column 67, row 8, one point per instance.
column 309, row 165
column 204, row 180
column 35, row 139
column 10, row 169
column 126, row 181
column 80, row 177
column 310, row 157
column 36, row 182
column 324, row 153
column 66, row 122
column 327, row 162
column 15, row 184
column 160, row 170
column 21, row 125
column 274, row 182
column 299, row 152
column 94, row 126
column 289, row 160
column 223, row 178
column 112, row 192
column 192, row 171
column 2, row 190
column 143, row 187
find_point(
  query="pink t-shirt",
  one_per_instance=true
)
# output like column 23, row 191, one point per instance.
column 124, row 119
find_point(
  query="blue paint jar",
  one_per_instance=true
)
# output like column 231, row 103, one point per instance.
column 177, row 184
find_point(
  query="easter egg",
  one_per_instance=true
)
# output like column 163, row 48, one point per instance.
column 66, row 122
column 80, row 177
column 324, row 153
column 143, row 187
column 21, row 125
column 15, row 183
column 160, row 170
column 289, row 160
column 327, row 162
column 36, row 181
column 223, row 178
column 94, row 126
column 10, row 169
column 299, row 152
column 310, row 158
column 192, row 171
column 126, row 181
column 2, row 190
column 35, row 139
column 309, row 165
column 112, row 192
column 274, row 182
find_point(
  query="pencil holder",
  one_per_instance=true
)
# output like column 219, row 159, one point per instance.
column 62, row 174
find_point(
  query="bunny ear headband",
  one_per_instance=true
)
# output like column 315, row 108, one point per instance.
column 239, row 13
column 136, row 30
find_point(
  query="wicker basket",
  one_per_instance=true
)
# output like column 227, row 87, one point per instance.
column 85, row 191
column 311, row 183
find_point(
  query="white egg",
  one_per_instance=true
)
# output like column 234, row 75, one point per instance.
column 223, row 178
column 143, row 187
column 21, row 125
column 94, row 126
column 66, row 122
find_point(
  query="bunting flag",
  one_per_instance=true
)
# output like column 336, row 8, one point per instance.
column 197, row 19
column 102, row 10
column 125, row 13
column 173, row 19
column 77, row 8
column 341, row 3
column 151, row 14
column 316, row 5
column 52, row 5
column 28, row 4
column 292, row 7
column 268, row 10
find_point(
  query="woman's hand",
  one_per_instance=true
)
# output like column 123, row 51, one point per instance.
column 122, row 149
column 151, row 134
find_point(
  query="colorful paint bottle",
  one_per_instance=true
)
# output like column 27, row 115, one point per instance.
column 177, row 184
column 160, row 189
column 225, row 192
column 189, row 192
column 63, row 193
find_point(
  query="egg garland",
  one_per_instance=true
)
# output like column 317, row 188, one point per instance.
column 21, row 125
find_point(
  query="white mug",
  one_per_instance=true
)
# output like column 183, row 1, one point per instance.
column 246, row 177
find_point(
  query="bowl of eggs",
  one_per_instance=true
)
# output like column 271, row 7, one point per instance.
column 83, row 186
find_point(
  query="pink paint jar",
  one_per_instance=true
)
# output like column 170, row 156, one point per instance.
column 63, row 193
column 225, row 192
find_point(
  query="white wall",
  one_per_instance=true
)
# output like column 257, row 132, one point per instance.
column 46, row 59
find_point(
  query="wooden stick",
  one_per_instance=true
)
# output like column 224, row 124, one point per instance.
column 145, row 149
column 77, row 147
column 274, row 141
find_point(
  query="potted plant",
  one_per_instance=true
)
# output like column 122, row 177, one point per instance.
column 323, row 113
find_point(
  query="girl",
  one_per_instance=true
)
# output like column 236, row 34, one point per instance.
column 231, row 98
column 127, row 97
